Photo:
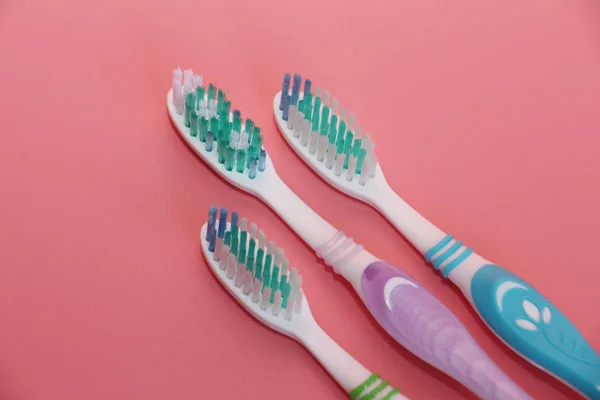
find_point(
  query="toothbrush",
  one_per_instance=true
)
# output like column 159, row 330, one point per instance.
column 406, row 310
column 260, row 279
column 330, row 141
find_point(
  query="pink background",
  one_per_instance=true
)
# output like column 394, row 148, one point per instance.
column 486, row 116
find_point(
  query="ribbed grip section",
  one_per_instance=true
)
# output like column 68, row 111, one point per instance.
column 338, row 250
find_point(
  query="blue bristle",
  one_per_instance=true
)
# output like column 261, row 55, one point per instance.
column 307, row 87
column 296, row 89
column 285, row 88
column 234, row 219
column 212, row 218
column 253, row 166
column 222, row 223
column 212, row 240
column 209, row 141
column 262, row 159
column 285, row 102
column 237, row 113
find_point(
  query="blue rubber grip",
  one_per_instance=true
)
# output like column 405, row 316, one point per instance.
column 531, row 325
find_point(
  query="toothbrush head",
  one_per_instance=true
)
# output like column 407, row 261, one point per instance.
column 257, row 276
column 230, row 144
column 327, row 138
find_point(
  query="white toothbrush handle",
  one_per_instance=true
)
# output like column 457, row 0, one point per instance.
column 351, row 375
column 307, row 224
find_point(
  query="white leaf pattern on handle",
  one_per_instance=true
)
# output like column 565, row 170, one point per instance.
column 527, row 325
column 546, row 315
column 531, row 310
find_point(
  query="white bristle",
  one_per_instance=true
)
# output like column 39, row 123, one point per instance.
column 264, row 302
column 278, row 255
column 317, row 93
column 326, row 96
column 372, row 166
column 277, row 303
column 244, row 224
column 289, row 311
column 187, row 81
column 256, row 285
column 351, row 168
column 322, row 148
column 248, row 277
column 291, row 115
column 366, row 142
column 284, row 265
column 178, row 101
column 339, row 164
column 253, row 229
column 223, row 257
column 178, row 74
column 197, row 81
column 335, row 105
column 331, row 150
column 217, row 252
column 239, row 275
column 297, row 293
column 351, row 122
column 357, row 132
column 305, row 133
column 314, row 140
column 231, row 263
column 270, row 247
column 261, row 239
column 298, row 118
column 212, row 108
column 202, row 108
column 343, row 114
column 292, row 277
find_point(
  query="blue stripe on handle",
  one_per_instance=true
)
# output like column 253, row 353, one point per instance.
column 456, row 262
column 433, row 251
column 453, row 249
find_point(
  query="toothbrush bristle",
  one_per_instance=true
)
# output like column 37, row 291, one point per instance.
column 208, row 115
column 331, row 134
column 274, row 289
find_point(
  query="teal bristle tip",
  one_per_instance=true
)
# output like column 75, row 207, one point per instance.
column 362, row 154
column 203, row 129
column 259, row 263
column 274, row 284
column 227, row 240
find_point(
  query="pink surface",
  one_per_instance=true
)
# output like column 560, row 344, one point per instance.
column 487, row 118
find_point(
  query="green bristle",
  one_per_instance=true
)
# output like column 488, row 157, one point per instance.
column 249, row 125
column 227, row 109
column 190, row 105
column 308, row 100
column 339, row 145
column 342, row 130
column 220, row 100
column 362, row 154
column 241, row 161
column 325, row 121
column 256, row 137
column 334, row 121
column 237, row 124
column 234, row 241
column 243, row 249
column 333, row 129
column 203, row 129
column 274, row 282
column 199, row 95
column 300, row 105
column 316, row 115
column 285, row 293
column 211, row 91
column 266, row 276
column 214, row 126
column 347, row 159
column 229, row 158
column 308, row 110
column 222, row 151
column 194, row 123
column 356, row 146
column 251, row 250
column 260, row 253
column 228, row 238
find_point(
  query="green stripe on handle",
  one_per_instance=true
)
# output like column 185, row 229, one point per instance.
column 368, row 392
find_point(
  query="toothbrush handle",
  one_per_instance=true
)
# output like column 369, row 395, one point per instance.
column 419, row 322
column 532, row 326
column 351, row 375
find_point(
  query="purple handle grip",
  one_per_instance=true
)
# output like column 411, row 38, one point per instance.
column 423, row 325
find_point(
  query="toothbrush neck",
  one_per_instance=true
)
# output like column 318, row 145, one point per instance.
column 421, row 233
column 307, row 224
